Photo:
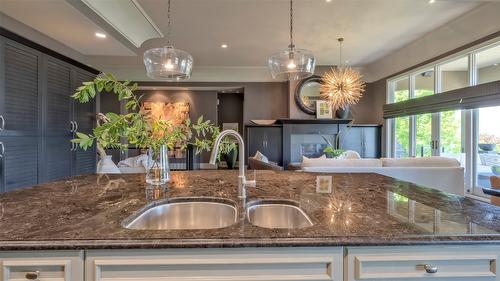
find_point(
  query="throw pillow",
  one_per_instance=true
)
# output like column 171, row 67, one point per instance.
column 261, row 157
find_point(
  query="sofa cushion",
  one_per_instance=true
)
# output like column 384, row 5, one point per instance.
column 341, row 163
column 433, row 161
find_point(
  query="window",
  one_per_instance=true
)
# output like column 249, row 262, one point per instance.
column 488, row 146
column 471, row 136
column 486, row 140
column 488, row 65
column 454, row 75
column 401, row 125
column 424, row 83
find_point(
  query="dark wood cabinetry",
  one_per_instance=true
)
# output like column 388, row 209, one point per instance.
column 83, row 116
column 267, row 140
column 276, row 141
column 364, row 139
column 36, row 117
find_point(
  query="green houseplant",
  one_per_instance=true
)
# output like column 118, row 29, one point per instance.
column 138, row 129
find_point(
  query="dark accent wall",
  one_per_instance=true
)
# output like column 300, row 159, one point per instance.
column 201, row 103
column 262, row 100
column 370, row 108
column 367, row 111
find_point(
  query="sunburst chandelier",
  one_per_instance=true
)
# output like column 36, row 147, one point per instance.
column 342, row 86
column 292, row 63
column 167, row 63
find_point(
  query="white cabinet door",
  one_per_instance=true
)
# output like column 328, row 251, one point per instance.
column 41, row 265
column 262, row 264
column 419, row 263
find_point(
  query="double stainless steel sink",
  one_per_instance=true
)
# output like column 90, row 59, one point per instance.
column 213, row 213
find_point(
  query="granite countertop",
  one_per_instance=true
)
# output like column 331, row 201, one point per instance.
column 86, row 212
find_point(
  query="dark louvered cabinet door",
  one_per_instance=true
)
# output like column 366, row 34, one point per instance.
column 20, row 99
column 57, row 134
column 58, row 100
column 19, row 167
column 57, row 158
column 266, row 140
column 19, row 93
column 84, row 161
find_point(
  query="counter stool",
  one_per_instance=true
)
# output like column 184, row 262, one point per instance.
column 495, row 184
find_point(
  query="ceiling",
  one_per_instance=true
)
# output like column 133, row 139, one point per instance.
column 62, row 22
column 253, row 29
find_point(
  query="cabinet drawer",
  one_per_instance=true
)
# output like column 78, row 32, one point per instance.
column 49, row 265
column 216, row 264
column 467, row 263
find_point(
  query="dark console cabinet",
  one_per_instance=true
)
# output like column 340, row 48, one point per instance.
column 364, row 139
column 266, row 139
column 276, row 141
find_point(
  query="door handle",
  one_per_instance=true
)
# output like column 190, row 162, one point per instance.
column 2, row 123
column 430, row 268
column 71, row 127
column 32, row 275
column 2, row 150
column 76, row 126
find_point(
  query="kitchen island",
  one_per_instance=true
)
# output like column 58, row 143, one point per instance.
column 364, row 227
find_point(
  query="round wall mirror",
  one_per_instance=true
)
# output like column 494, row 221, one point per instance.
column 307, row 93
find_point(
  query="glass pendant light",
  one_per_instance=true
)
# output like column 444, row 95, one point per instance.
column 167, row 63
column 292, row 63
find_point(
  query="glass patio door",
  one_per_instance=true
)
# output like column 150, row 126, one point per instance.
column 424, row 124
column 451, row 136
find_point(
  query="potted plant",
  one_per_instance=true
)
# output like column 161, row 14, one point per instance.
column 139, row 130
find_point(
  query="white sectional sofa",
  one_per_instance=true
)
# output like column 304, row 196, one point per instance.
column 436, row 172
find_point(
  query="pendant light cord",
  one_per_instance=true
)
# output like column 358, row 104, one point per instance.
column 169, row 28
column 291, row 25
column 341, row 40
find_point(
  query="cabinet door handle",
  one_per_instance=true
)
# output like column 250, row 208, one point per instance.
column 2, row 150
column 76, row 126
column 32, row 275
column 71, row 127
column 2, row 123
column 430, row 268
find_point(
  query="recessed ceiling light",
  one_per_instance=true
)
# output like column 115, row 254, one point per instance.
column 100, row 35
column 224, row 46
column 432, row 1
column 328, row 1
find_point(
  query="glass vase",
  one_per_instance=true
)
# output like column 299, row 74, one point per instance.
column 158, row 172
